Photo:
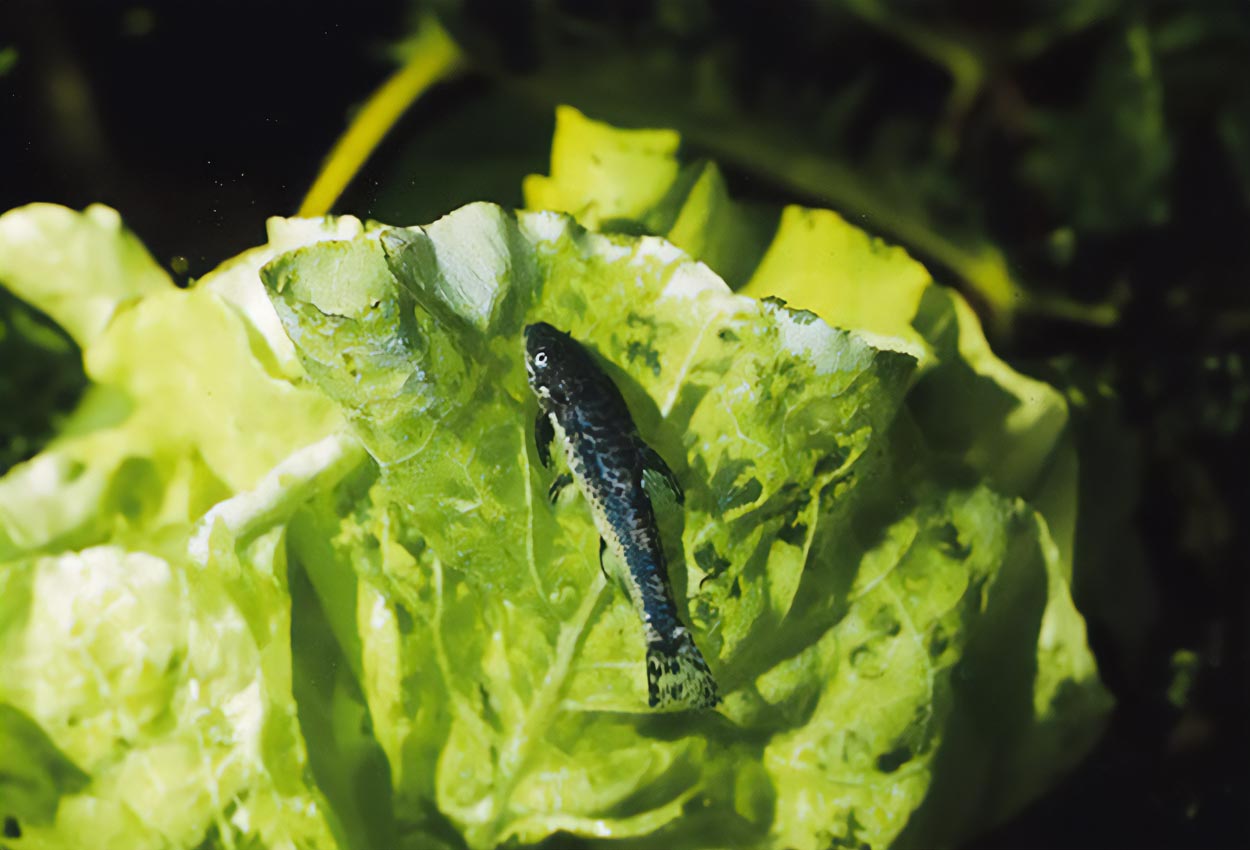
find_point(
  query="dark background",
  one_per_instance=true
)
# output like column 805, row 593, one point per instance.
column 198, row 120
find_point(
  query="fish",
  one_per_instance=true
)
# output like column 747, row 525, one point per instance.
column 581, row 409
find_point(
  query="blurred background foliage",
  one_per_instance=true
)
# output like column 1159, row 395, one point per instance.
column 1080, row 169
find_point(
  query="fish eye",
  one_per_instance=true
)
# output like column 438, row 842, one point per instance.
column 540, row 359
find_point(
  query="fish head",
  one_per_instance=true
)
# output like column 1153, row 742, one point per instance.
column 553, row 360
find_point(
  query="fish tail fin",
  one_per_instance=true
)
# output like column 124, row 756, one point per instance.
column 677, row 676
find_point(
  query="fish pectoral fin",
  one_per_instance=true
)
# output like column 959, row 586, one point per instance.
column 603, row 568
column 544, row 433
column 557, row 486
column 652, row 461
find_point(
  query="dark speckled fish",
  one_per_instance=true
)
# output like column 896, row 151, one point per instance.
column 580, row 406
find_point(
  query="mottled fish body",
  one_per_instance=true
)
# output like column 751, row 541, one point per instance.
column 580, row 407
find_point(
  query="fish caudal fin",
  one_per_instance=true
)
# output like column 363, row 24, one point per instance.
column 677, row 676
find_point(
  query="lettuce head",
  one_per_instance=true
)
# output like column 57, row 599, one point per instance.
column 287, row 576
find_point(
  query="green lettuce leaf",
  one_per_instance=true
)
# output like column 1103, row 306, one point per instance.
column 973, row 409
column 79, row 268
column 858, row 281
column 168, row 683
column 193, row 396
column 36, row 774
column 632, row 181
column 146, row 616
column 970, row 404
column 41, row 380
column 854, row 596
column 627, row 177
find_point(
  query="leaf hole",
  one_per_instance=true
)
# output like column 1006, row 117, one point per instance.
column 894, row 759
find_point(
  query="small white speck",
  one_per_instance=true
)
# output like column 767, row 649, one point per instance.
column 380, row 617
